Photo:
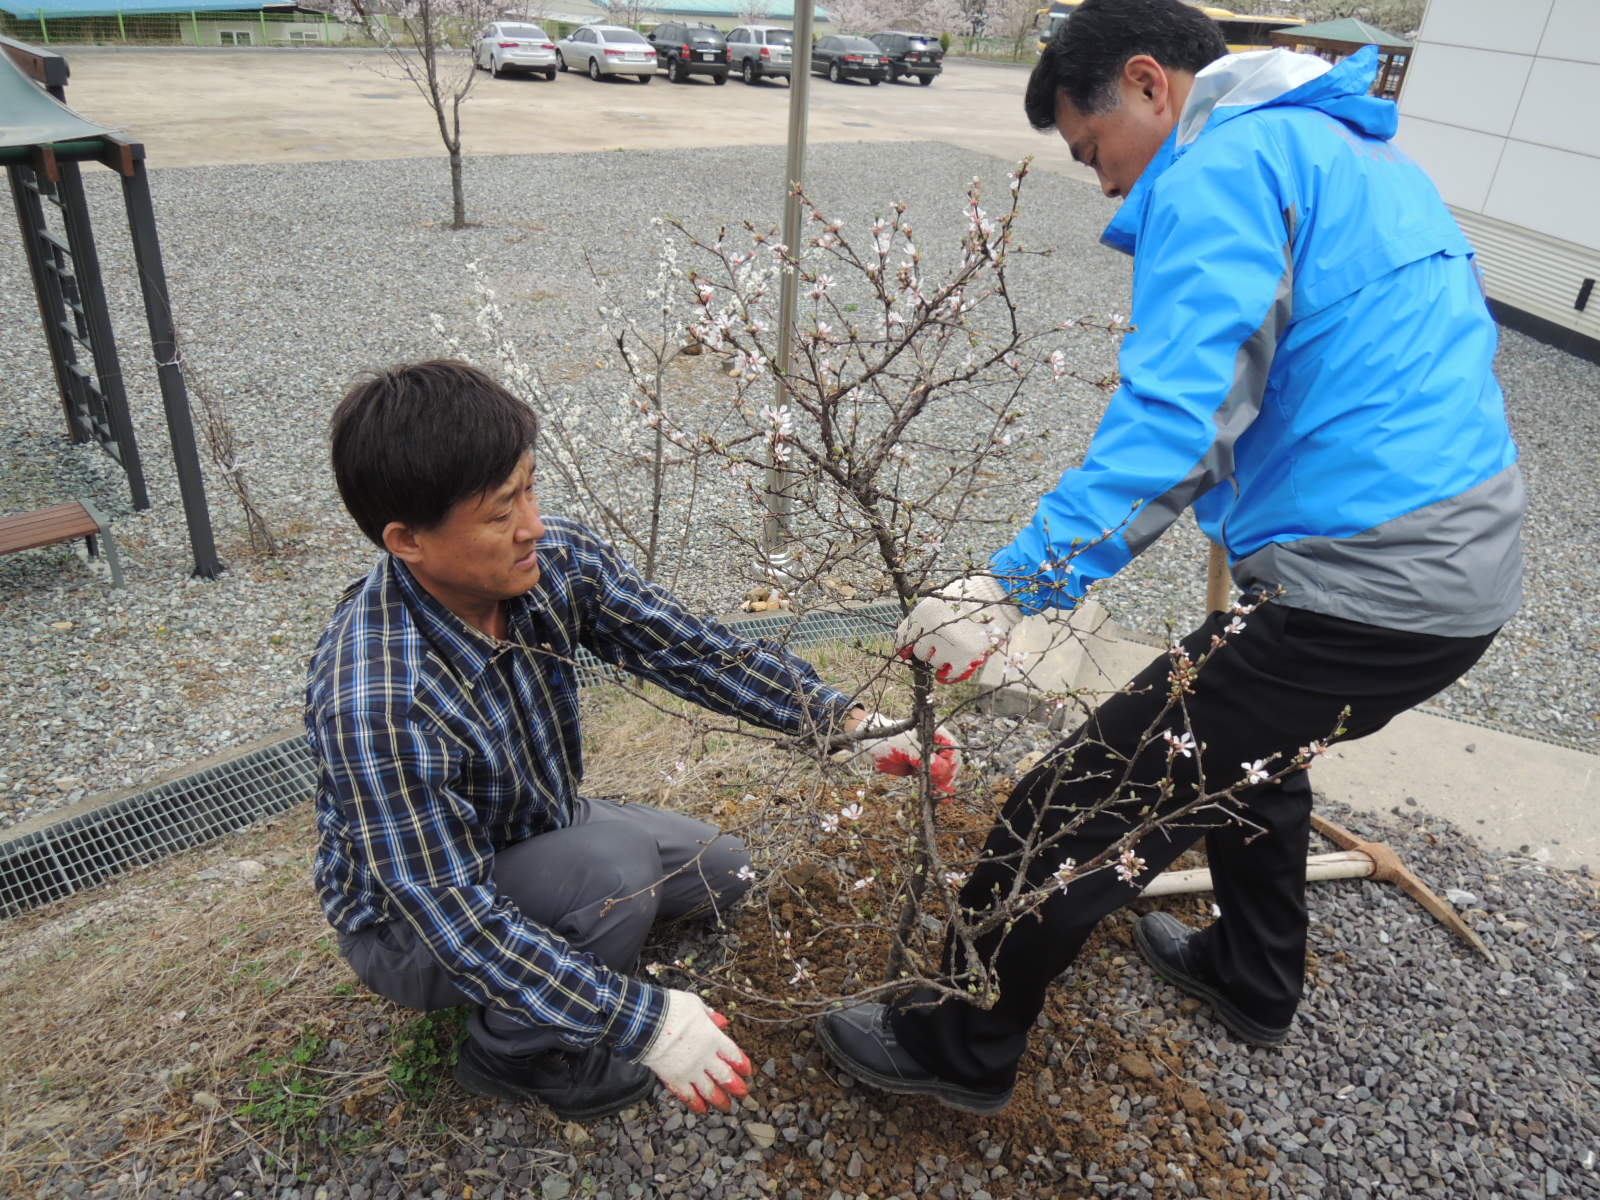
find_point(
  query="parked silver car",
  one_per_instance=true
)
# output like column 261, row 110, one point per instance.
column 514, row 46
column 606, row 50
column 756, row 52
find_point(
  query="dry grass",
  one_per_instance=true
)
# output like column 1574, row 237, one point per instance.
column 182, row 1013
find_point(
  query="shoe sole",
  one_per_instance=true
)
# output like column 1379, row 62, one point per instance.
column 1221, row 1007
column 479, row 1084
column 903, row 1087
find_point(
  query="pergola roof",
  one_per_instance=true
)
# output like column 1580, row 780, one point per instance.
column 1347, row 33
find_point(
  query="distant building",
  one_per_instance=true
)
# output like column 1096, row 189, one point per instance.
column 180, row 22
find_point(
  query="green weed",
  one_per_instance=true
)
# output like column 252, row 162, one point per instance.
column 284, row 1094
column 424, row 1052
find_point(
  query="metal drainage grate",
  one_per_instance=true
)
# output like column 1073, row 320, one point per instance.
column 83, row 850
column 86, row 849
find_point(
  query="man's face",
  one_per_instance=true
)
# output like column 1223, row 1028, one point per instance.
column 1119, row 143
column 485, row 550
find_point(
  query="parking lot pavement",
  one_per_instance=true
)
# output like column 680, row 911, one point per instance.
column 193, row 107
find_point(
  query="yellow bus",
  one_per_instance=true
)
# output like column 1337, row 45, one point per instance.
column 1240, row 31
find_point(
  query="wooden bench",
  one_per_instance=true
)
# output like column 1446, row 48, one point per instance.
column 62, row 523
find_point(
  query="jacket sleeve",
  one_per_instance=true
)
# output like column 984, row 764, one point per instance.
column 642, row 628
column 1212, row 290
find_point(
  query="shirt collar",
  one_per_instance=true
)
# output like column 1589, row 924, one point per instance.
column 468, row 649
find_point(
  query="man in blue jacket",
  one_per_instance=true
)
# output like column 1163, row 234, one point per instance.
column 1311, row 372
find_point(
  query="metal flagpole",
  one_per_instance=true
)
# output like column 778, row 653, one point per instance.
column 780, row 504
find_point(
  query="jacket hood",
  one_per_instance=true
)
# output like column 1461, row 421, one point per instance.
column 1239, row 83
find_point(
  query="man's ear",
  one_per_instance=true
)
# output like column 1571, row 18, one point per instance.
column 400, row 540
column 1148, row 78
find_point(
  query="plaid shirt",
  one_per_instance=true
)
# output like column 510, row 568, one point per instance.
column 438, row 745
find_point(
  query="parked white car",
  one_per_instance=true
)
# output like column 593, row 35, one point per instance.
column 757, row 52
column 606, row 50
column 514, row 46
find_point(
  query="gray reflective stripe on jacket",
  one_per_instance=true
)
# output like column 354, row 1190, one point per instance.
column 1453, row 568
column 1233, row 416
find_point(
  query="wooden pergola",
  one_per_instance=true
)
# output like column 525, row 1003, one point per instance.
column 1334, row 40
column 43, row 144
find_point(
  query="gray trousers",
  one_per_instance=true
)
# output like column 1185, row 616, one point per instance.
column 572, row 882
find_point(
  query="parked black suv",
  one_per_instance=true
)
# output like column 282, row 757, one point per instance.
column 915, row 54
column 685, row 48
column 841, row 56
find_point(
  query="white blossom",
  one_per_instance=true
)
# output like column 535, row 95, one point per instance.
column 851, row 812
column 1129, row 866
column 779, row 418
column 1256, row 772
column 1183, row 745
column 1064, row 873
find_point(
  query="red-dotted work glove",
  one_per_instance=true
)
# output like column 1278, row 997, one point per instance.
column 699, row 1063
column 901, row 753
column 955, row 629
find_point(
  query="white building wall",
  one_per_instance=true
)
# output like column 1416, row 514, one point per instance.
column 1502, row 107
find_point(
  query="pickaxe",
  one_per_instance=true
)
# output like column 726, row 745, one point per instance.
column 1357, row 860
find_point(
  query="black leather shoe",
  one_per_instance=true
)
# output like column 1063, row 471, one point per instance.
column 861, row 1041
column 1167, row 945
column 581, row 1086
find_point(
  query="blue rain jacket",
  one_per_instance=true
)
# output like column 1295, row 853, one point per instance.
column 1311, row 369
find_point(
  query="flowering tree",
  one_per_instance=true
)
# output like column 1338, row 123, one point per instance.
column 939, row 16
column 625, row 12
column 1016, row 20
column 898, row 409
column 597, row 441
column 429, row 42
column 925, row 16
column 857, row 16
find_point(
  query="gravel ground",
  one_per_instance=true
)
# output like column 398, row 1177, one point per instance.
column 1415, row 1070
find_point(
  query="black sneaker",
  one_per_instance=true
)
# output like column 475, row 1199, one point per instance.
column 581, row 1086
column 1167, row 945
column 861, row 1041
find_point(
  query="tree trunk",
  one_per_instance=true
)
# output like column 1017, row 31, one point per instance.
column 458, row 198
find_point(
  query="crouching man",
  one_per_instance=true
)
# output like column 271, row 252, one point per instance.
column 456, row 858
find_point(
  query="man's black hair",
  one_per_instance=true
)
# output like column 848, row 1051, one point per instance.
column 411, row 442
column 1084, row 59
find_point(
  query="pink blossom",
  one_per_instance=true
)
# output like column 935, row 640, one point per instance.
column 1129, row 866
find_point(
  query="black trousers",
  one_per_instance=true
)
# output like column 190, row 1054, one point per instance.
column 1276, row 686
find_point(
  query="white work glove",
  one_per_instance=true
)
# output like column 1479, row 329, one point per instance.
column 691, row 1055
column 955, row 629
column 901, row 753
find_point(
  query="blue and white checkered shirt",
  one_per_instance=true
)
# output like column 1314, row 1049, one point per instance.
column 439, row 745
